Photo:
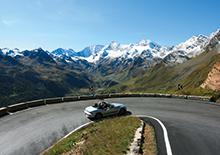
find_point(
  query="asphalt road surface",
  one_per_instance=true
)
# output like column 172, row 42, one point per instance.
column 193, row 128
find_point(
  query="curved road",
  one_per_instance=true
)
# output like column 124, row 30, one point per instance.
column 193, row 128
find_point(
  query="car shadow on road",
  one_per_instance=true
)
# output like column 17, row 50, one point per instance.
column 107, row 117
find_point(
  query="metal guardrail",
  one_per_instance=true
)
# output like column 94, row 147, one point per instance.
column 21, row 106
column 3, row 111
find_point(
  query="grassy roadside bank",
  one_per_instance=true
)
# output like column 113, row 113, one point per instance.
column 149, row 146
column 107, row 137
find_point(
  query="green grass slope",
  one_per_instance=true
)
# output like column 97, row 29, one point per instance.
column 107, row 137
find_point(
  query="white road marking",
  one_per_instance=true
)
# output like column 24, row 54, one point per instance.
column 76, row 129
column 165, row 133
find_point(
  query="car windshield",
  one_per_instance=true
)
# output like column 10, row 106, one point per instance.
column 101, row 105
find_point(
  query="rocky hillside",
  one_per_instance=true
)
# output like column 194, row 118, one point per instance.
column 213, row 79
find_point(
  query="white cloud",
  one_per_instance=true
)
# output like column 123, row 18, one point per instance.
column 9, row 22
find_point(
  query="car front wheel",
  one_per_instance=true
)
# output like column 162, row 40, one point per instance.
column 98, row 116
column 122, row 111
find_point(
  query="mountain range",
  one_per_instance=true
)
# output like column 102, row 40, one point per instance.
column 145, row 49
column 38, row 73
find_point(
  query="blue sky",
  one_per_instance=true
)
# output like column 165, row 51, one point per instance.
column 29, row 24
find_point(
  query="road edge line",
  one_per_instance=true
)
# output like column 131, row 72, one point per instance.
column 165, row 133
column 76, row 129
column 71, row 132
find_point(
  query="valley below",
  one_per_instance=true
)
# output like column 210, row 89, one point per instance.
column 190, row 68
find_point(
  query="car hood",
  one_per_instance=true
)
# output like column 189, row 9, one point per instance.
column 90, row 109
column 118, row 104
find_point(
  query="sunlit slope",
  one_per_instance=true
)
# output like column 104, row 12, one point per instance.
column 165, row 77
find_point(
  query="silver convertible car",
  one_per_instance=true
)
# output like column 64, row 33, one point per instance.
column 103, row 109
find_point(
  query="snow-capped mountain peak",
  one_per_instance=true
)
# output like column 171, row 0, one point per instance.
column 144, row 49
column 60, row 52
column 193, row 46
column 215, row 34
column 9, row 52
column 113, row 45
column 145, row 42
column 90, row 50
column 214, row 40
column 5, row 51
column 37, row 49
